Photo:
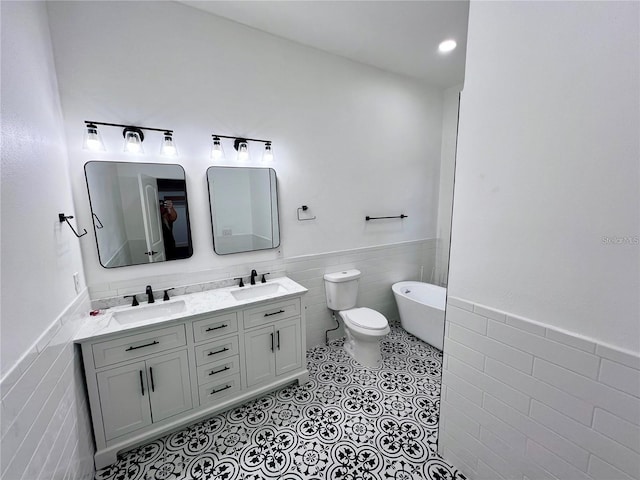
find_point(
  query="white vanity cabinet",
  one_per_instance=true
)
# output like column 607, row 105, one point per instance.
column 272, row 351
column 271, row 340
column 146, row 381
column 134, row 396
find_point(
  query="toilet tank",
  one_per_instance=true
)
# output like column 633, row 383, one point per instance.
column 341, row 289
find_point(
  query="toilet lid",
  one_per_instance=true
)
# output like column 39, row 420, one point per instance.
column 367, row 318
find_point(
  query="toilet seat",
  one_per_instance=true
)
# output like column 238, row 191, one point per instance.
column 365, row 318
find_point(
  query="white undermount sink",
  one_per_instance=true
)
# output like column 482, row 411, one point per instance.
column 255, row 291
column 149, row 311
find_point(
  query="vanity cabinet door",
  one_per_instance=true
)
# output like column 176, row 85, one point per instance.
column 273, row 350
column 168, row 381
column 124, row 398
column 259, row 348
column 288, row 348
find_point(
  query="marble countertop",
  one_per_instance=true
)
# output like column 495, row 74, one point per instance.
column 210, row 301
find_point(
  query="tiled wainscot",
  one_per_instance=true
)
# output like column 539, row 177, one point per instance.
column 524, row 400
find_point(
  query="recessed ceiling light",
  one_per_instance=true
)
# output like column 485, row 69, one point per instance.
column 447, row 46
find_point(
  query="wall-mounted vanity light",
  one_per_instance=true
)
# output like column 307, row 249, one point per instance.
column 133, row 138
column 267, row 155
column 241, row 145
column 217, row 153
column 168, row 145
column 92, row 138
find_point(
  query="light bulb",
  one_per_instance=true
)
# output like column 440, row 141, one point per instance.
column 92, row 139
column 243, row 151
column 168, row 146
column 216, row 151
column 267, row 156
column 133, row 140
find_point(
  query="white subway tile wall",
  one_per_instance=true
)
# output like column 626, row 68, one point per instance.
column 381, row 267
column 523, row 400
column 46, row 429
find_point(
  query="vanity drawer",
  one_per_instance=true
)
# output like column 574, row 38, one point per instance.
column 214, row 327
column 214, row 351
column 222, row 388
column 220, row 369
column 272, row 312
column 139, row 345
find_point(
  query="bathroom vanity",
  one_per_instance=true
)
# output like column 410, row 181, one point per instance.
column 155, row 368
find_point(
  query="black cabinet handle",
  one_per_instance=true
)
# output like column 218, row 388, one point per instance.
column 153, row 387
column 278, row 333
column 155, row 342
column 274, row 313
column 213, row 372
column 210, row 329
column 220, row 389
column 141, row 383
column 150, row 253
column 219, row 351
column 272, row 342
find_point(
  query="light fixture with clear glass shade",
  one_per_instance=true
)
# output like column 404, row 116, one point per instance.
column 92, row 138
column 217, row 153
column 168, row 145
column 267, row 155
column 133, row 138
column 241, row 145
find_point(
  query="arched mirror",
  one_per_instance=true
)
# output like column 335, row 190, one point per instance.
column 140, row 212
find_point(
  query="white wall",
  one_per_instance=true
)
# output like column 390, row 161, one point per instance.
column 45, row 428
column 542, row 346
column 548, row 166
column 39, row 254
column 349, row 140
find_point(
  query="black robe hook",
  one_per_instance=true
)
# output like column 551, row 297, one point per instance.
column 65, row 218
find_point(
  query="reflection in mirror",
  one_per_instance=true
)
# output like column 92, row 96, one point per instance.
column 244, row 209
column 140, row 212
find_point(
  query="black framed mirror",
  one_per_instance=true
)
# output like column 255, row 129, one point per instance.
column 140, row 212
column 244, row 209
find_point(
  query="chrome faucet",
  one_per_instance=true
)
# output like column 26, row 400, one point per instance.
column 254, row 274
column 149, row 293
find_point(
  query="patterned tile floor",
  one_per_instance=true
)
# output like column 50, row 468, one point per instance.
column 347, row 422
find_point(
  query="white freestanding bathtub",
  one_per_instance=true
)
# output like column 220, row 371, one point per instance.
column 421, row 307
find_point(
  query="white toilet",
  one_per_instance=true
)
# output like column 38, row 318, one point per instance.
column 364, row 327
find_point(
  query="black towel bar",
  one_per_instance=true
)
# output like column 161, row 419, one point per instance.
column 367, row 218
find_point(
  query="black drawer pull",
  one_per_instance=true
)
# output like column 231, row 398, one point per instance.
column 216, row 328
column 155, row 342
column 278, row 335
column 213, row 372
column 274, row 313
column 220, row 389
column 141, row 383
column 219, row 351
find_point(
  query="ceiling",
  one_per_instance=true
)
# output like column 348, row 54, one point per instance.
column 397, row 36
